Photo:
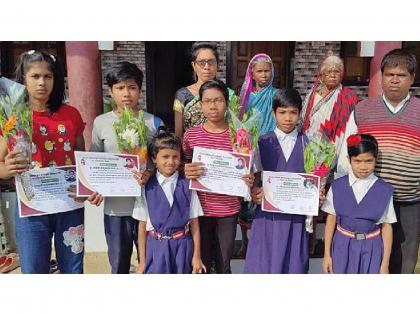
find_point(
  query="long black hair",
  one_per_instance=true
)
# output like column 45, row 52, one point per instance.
column 27, row 58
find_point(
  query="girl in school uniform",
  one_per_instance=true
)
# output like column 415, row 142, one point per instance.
column 279, row 242
column 358, row 232
column 168, row 211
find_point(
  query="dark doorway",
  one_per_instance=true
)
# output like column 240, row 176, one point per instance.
column 11, row 51
column 168, row 68
column 280, row 52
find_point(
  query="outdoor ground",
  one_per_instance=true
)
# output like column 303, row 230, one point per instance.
column 97, row 263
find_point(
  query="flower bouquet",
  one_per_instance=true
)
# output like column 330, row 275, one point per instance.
column 16, row 125
column 243, row 132
column 318, row 159
column 131, row 134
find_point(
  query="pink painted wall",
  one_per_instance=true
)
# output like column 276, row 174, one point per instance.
column 381, row 48
column 85, row 82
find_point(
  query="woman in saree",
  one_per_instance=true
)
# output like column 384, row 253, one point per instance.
column 326, row 110
column 328, row 105
column 187, row 106
column 257, row 92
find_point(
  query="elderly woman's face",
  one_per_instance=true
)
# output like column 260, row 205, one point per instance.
column 261, row 73
column 331, row 76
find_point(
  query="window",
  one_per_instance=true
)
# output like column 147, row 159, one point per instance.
column 357, row 69
column 414, row 48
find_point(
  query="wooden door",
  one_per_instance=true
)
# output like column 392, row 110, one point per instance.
column 242, row 52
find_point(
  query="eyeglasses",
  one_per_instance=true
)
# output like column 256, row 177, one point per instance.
column 216, row 101
column 202, row 63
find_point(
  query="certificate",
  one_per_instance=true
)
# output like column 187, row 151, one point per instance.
column 292, row 193
column 223, row 172
column 50, row 192
column 110, row 174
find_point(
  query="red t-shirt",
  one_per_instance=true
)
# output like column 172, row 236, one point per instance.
column 54, row 136
column 214, row 205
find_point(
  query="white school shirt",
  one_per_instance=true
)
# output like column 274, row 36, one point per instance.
column 360, row 188
column 343, row 164
column 168, row 185
column 287, row 143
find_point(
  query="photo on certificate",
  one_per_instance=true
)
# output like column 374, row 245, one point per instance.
column 50, row 186
column 292, row 193
column 223, row 172
column 110, row 174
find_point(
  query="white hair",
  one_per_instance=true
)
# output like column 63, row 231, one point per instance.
column 332, row 61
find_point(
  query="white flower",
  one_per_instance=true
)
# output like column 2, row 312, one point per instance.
column 130, row 136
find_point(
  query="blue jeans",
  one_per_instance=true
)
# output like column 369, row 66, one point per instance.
column 34, row 235
column 120, row 233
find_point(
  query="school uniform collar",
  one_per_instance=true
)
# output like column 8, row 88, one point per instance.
column 283, row 136
column 395, row 109
column 353, row 179
column 162, row 179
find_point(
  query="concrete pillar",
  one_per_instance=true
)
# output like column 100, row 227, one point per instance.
column 85, row 82
column 381, row 48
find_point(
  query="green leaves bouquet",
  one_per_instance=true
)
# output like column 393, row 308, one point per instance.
column 16, row 124
column 131, row 134
column 319, row 157
column 243, row 132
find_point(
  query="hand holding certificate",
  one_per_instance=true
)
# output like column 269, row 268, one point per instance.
column 50, row 186
column 110, row 174
column 292, row 193
column 224, row 171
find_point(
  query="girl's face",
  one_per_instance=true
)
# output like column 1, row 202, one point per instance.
column 167, row 161
column 205, row 66
column 39, row 81
column 126, row 94
column 261, row 73
column 286, row 118
column 363, row 164
column 213, row 105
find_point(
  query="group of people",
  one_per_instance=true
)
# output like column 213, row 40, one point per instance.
column 372, row 206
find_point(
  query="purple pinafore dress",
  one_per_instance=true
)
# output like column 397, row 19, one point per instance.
column 348, row 254
column 168, row 255
column 279, row 242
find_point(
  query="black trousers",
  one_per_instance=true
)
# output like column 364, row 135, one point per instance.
column 223, row 231
column 405, row 242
